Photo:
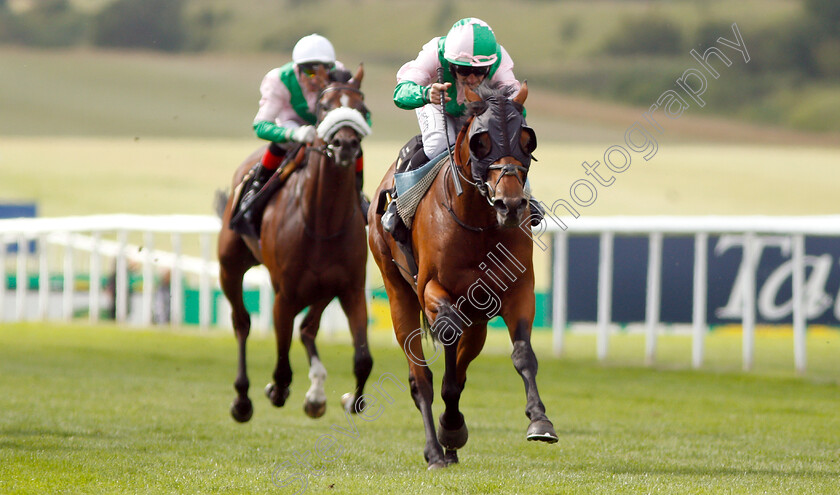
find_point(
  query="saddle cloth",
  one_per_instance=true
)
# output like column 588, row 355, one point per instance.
column 411, row 186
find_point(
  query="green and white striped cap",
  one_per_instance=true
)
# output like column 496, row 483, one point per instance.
column 470, row 42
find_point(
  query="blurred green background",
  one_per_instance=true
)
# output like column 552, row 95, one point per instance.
column 626, row 51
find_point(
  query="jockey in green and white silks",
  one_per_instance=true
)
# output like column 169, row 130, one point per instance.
column 469, row 55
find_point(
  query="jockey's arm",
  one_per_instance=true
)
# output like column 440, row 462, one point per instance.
column 273, row 132
column 414, row 78
column 409, row 95
column 275, row 106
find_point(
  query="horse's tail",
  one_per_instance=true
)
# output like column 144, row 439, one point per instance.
column 220, row 200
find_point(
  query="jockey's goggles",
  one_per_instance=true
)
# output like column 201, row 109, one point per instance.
column 309, row 69
column 467, row 70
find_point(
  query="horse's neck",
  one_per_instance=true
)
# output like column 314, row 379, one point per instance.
column 328, row 195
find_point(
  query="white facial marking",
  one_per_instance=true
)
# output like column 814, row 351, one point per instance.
column 345, row 101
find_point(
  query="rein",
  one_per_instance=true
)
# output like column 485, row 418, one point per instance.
column 308, row 230
column 458, row 168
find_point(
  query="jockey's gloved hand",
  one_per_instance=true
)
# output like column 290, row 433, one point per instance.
column 304, row 134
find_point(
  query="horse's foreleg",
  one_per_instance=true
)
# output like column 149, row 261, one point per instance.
column 315, row 401
column 468, row 348
column 525, row 362
column 405, row 312
column 354, row 306
column 422, row 391
column 448, row 327
column 284, row 318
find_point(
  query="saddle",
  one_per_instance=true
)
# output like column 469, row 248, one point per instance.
column 249, row 222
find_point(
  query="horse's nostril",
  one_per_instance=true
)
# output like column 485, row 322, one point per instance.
column 500, row 205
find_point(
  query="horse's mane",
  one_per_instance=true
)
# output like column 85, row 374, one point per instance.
column 340, row 76
column 485, row 92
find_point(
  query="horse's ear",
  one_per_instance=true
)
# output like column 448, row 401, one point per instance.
column 471, row 95
column 522, row 94
column 356, row 80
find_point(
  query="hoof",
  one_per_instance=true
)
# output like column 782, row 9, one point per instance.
column 452, row 439
column 349, row 404
column 274, row 394
column 542, row 430
column 314, row 410
column 241, row 410
column 436, row 460
column 450, row 457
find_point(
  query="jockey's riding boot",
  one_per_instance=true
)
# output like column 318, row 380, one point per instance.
column 261, row 176
column 537, row 212
column 418, row 160
column 390, row 217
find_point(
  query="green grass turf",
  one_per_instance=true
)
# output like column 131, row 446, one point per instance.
column 101, row 410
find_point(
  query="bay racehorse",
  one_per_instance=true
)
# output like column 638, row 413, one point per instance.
column 473, row 255
column 312, row 241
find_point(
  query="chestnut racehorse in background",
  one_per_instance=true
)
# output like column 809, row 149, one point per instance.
column 312, row 241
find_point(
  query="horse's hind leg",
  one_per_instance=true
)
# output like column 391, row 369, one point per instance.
column 315, row 401
column 234, row 260
column 525, row 362
column 284, row 319
column 354, row 306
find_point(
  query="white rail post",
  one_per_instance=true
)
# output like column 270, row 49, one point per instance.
column 698, row 318
column 148, row 277
column 800, row 322
column 748, row 315
column 21, row 279
column 121, row 278
column 43, row 277
column 654, row 291
column 176, row 285
column 204, row 289
column 559, row 287
column 95, row 278
column 69, row 278
column 605, row 275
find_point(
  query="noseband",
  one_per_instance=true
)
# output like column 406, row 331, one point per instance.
column 335, row 118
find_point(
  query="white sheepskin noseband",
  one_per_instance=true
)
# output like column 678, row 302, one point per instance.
column 340, row 117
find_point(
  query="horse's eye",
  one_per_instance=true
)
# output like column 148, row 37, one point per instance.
column 528, row 140
column 480, row 145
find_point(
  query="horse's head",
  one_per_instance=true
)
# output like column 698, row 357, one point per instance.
column 343, row 117
column 498, row 146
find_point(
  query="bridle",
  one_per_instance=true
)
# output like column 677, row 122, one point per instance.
column 328, row 148
column 485, row 189
column 321, row 110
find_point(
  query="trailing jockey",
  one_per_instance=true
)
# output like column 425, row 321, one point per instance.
column 286, row 117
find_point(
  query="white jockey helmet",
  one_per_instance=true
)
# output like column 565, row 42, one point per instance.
column 313, row 48
column 470, row 42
